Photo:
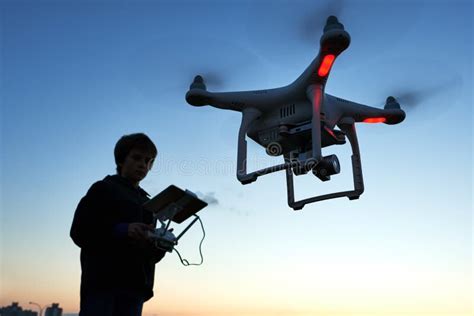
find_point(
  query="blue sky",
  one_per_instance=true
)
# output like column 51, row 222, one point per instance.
column 77, row 75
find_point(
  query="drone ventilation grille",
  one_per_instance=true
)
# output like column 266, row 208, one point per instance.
column 342, row 100
column 287, row 111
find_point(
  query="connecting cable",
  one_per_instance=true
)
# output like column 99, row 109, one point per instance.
column 185, row 262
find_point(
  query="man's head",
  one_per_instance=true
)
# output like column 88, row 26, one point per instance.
column 134, row 156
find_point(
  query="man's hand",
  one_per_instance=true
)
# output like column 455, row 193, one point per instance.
column 139, row 231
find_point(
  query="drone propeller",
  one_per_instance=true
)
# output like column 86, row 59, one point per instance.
column 391, row 103
column 315, row 21
column 198, row 83
column 411, row 99
column 160, row 80
column 211, row 78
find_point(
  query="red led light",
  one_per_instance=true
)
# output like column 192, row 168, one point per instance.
column 375, row 120
column 328, row 60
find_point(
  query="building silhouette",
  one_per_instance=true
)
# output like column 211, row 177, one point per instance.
column 54, row 310
column 15, row 310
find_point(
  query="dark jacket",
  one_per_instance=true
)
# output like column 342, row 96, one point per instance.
column 109, row 259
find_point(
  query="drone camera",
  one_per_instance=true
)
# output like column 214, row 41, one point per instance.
column 327, row 167
column 304, row 167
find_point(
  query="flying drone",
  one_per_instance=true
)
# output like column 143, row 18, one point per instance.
column 298, row 120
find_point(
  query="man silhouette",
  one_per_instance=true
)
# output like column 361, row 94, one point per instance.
column 111, row 228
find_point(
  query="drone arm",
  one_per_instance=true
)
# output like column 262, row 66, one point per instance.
column 391, row 114
column 374, row 115
column 223, row 100
column 332, row 43
column 349, row 129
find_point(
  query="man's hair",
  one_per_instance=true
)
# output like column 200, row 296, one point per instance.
column 133, row 141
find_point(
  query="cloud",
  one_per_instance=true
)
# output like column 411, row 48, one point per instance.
column 209, row 198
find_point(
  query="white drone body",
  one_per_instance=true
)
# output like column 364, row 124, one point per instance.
column 299, row 119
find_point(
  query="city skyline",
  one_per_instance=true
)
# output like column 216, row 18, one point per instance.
column 15, row 309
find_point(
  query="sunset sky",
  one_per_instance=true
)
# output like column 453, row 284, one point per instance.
column 77, row 75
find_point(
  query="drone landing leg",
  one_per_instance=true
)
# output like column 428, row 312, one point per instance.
column 350, row 131
column 249, row 115
column 316, row 95
column 290, row 188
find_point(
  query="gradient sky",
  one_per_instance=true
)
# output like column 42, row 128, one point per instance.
column 77, row 75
